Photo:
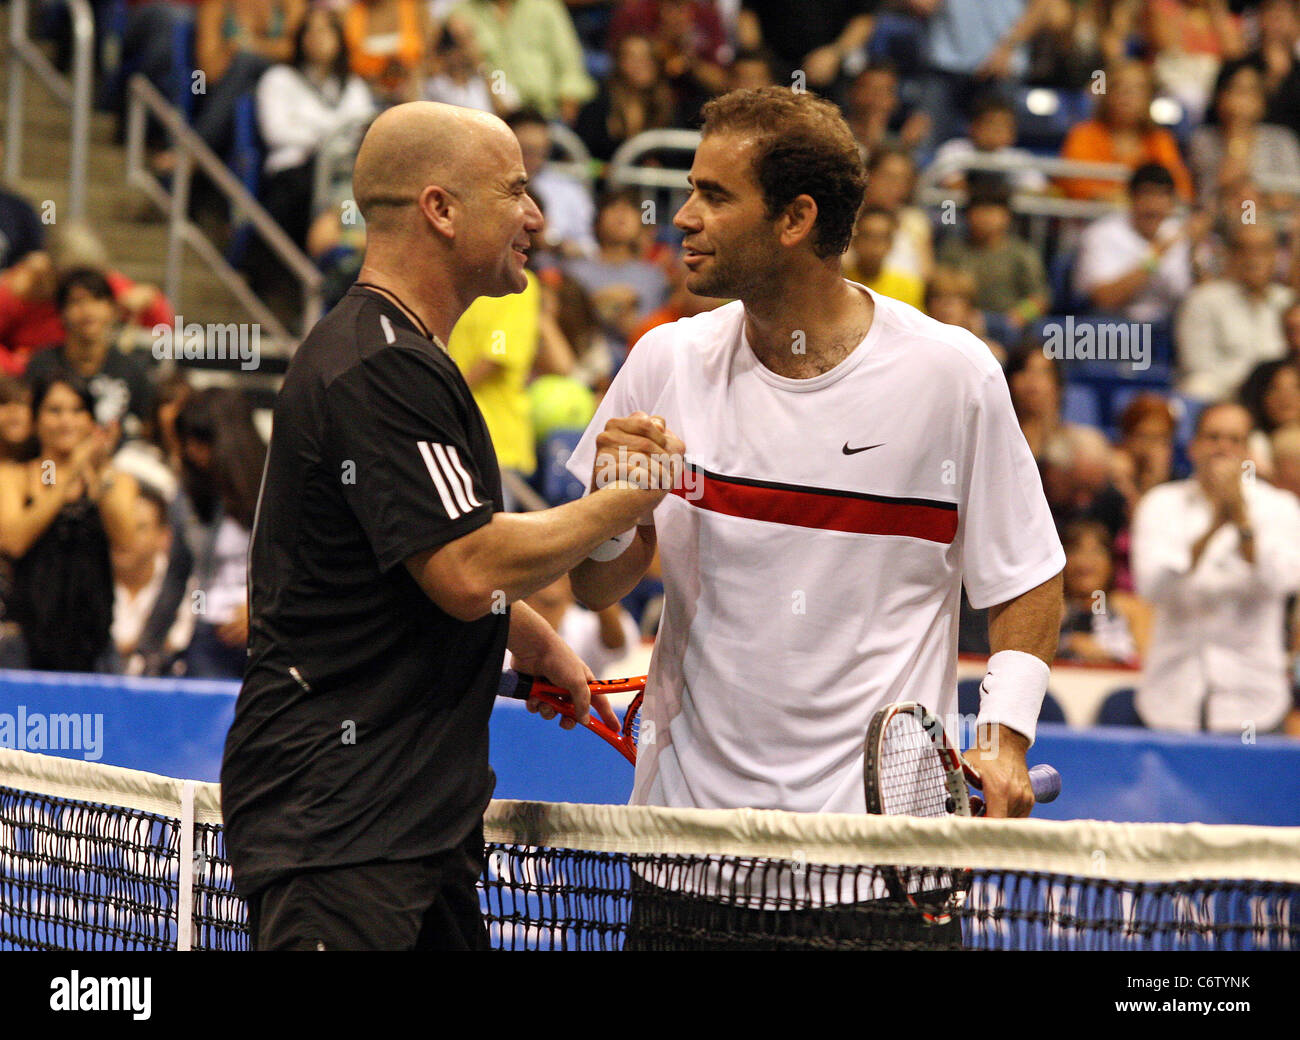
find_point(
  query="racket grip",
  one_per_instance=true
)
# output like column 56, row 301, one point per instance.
column 1046, row 783
column 515, row 685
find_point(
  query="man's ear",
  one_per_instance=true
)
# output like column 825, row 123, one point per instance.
column 798, row 222
column 439, row 208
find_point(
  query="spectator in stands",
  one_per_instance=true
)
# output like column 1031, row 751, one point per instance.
column 812, row 37
column 1291, row 330
column 970, row 44
column 154, row 458
column 223, row 456
column 687, row 42
column 1271, row 393
column 386, row 44
column 533, row 43
column 234, row 43
column 494, row 345
column 61, row 512
column 21, row 230
column 1228, row 325
column 15, row 419
column 570, row 214
column 1122, row 131
column 992, row 135
column 1286, row 458
column 950, row 298
column 301, row 104
column 455, row 73
column 1190, row 40
column 152, row 624
column 29, row 313
column 751, row 70
column 1217, row 556
column 873, row 239
column 891, row 179
column 876, row 114
column 1278, row 54
column 1144, row 457
column 634, row 98
column 1102, row 624
column 118, row 382
column 1012, row 284
column 1138, row 263
column 1075, row 460
column 1235, row 143
column 149, row 48
column 624, row 288
column 602, row 639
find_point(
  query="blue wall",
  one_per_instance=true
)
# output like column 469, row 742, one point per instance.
column 177, row 728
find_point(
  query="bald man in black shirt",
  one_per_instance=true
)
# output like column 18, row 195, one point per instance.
column 383, row 569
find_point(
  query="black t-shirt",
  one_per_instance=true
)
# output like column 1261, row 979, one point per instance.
column 120, row 389
column 21, row 230
column 361, row 731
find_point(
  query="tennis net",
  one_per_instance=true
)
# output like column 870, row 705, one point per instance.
column 97, row 857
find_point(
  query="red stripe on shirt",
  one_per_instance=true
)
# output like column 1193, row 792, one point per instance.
column 822, row 510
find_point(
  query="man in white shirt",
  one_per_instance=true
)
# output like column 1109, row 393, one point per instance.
column 1229, row 325
column 569, row 207
column 1139, row 263
column 850, row 463
column 1217, row 555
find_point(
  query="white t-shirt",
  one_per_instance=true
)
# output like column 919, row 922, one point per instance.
column 1111, row 247
column 814, row 557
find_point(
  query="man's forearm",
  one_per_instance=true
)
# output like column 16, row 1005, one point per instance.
column 518, row 553
column 1030, row 623
column 598, row 584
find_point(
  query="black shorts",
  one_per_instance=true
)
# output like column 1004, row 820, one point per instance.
column 662, row 919
column 419, row 904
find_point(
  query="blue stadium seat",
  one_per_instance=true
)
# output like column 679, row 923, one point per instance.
column 245, row 160
column 1051, row 710
column 183, row 60
column 1080, row 405
column 968, row 702
column 551, row 480
column 1119, row 709
column 1060, row 278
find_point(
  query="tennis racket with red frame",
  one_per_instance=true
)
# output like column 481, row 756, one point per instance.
column 519, row 686
column 912, row 768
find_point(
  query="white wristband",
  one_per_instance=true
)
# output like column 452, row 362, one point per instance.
column 612, row 548
column 1012, row 692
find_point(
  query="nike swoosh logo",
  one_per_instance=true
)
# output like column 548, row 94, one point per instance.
column 853, row 451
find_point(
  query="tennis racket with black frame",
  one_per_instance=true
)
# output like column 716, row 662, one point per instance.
column 520, row 686
column 912, row 768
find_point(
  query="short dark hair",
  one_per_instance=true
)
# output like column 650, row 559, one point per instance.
column 989, row 191
column 90, row 279
column 989, row 102
column 803, row 147
column 60, row 375
column 149, row 493
column 1150, row 175
column 527, row 116
column 618, row 197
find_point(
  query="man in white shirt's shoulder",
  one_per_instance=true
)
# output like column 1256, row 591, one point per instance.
column 1217, row 555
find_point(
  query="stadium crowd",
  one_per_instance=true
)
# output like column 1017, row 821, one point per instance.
column 126, row 495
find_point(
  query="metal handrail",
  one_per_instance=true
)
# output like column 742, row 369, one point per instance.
column 24, row 55
column 576, row 161
column 623, row 168
column 144, row 100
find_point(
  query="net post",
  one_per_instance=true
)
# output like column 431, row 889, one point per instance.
column 185, row 877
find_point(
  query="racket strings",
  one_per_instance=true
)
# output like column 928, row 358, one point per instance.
column 913, row 781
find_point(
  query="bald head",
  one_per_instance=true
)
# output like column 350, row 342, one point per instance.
column 412, row 146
